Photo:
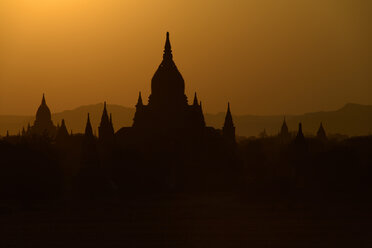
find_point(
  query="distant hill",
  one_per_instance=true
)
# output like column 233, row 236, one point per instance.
column 75, row 119
column 352, row 120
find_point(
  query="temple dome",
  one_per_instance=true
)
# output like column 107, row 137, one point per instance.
column 167, row 81
column 43, row 112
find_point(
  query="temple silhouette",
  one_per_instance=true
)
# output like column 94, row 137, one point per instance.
column 169, row 179
column 169, row 146
column 167, row 118
column 43, row 124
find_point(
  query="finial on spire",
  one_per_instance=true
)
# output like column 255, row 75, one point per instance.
column 284, row 122
column 105, row 117
column 139, row 102
column 300, row 133
column 88, row 120
column 228, row 128
column 195, row 99
column 43, row 102
column 321, row 132
column 228, row 118
column 88, row 128
column 167, row 48
column 104, row 113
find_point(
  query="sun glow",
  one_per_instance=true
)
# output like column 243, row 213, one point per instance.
column 111, row 48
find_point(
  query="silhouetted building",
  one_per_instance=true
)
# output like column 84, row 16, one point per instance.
column 284, row 134
column 43, row 124
column 300, row 136
column 167, row 107
column 321, row 134
column 89, row 159
column 88, row 134
column 105, row 129
column 168, row 117
column 92, row 180
column 228, row 130
column 300, row 143
column 62, row 133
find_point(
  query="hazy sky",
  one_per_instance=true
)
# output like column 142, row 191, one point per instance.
column 264, row 56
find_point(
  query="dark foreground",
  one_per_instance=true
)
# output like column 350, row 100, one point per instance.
column 222, row 221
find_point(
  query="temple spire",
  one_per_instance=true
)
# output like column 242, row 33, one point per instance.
column 62, row 132
column 284, row 132
column 321, row 134
column 88, row 128
column 43, row 102
column 105, row 129
column 104, row 109
column 104, row 118
column 300, row 129
column 195, row 100
column 300, row 134
column 167, row 49
column 228, row 129
column 139, row 102
column 228, row 117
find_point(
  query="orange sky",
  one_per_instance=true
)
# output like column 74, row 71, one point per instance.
column 264, row 56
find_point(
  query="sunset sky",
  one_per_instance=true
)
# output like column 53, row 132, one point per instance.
column 264, row 56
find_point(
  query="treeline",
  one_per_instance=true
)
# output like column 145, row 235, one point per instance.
column 298, row 170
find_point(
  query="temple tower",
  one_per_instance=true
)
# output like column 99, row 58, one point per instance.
column 105, row 129
column 284, row 134
column 62, row 133
column 167, row 84
column 167, row 107
column 228, row 130
column 321, row 134
column 43, row 123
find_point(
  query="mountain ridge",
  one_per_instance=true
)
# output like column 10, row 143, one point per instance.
column 352, row 119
